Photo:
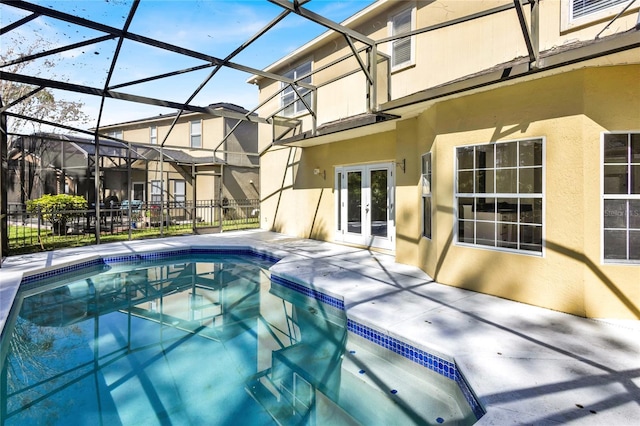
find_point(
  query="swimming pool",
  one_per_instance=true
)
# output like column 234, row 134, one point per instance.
column 205, row 339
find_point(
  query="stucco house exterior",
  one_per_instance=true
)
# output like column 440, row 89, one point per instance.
column 497, row 147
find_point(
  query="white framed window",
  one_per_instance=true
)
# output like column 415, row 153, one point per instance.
column 289, row 100
column 499, row 195
column 156, row 191
column 581, row 8
column 402, row 50
column 116, row 134
column 195, row 133
column 578, row 13
column 179, row 192
column 426, row 195
column 621, row 197
column 153, row 135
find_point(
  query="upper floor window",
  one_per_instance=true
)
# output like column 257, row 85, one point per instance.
column 153, row 135
column 621, row 197
column 580, row 8
column 196, row 134
column 116, row 134
column 426, row 195
column 402, row 49
column 499, row 195
column 289, row 100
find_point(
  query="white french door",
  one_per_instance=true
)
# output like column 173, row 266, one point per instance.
column 365, row 205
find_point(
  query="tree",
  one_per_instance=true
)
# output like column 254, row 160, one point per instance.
column 42, row 104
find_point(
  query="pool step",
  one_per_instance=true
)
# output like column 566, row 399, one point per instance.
column 276, row 406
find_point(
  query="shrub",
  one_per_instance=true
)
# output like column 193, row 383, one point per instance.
column 58, row 209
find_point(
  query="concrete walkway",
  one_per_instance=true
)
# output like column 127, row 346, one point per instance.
column 526, row 365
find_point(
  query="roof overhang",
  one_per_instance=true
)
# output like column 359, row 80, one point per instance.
column 617, row 49
column 348, row 128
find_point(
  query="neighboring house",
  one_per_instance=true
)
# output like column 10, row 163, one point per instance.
column 206, row 157
column 49, row 163
column 497, row 148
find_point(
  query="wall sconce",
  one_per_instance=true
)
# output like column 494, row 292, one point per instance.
column 320, row 172
column 403, row 165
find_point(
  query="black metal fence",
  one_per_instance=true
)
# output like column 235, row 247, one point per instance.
column 35, row 231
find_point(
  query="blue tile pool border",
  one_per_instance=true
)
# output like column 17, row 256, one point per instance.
column 432, row 362
column 144, row 256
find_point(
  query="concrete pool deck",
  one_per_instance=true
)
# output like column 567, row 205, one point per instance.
column 526, row 365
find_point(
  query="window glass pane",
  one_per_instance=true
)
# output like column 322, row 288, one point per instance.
column 507, row 235
column 465, row 182
column 615, row 245
column 634, row 214
column 634, row 245
column 486, row 209
column 615, row 213
column 196, row 141
column 401, row 22
column 635, row 148
column 401, row 51
column 616, row 148
column 484, row 156
column 531, row 210
column 426, row 186
column 531, row 153
column 531, row 181
column 635, row 179
column 584, row 7
column 615, row 179
column 484, row 182
column 506, row 154
column 465, row 158
column 531, row 238
column 426, row 163
column 486, row 233
column 466, row 231
column 466, row 208
column 303, row 70
column 508, row 209
column 506, row 181
column 426, row 220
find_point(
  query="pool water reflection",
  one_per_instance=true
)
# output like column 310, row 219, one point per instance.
column 203, row 339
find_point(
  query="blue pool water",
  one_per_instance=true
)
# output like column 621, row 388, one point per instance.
column 202, row 340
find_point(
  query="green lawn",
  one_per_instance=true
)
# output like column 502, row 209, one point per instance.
column 24, row 239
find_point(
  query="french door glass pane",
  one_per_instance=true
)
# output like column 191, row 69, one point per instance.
column 354, row 202
column 378, row 188
column 339, row 192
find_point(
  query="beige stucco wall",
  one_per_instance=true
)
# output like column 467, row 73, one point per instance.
column 568, row 110
column 441, row 55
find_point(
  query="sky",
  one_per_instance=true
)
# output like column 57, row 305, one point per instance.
column 214, row 27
